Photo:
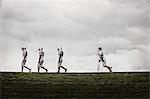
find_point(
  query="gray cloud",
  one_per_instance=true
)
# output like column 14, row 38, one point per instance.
column 80, row 27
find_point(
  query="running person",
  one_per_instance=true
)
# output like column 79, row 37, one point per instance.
column 41, row 60
column 102, row 58
column 25, row 53
column 60, row 59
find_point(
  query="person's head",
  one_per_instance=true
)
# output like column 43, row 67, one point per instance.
column 99, row 48
column 22, row 48
column 59, row 48
column 40, row 49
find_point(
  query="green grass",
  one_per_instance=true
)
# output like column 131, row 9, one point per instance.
column 74, row 85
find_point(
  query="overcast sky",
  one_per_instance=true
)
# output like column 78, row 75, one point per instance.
column 120, row 27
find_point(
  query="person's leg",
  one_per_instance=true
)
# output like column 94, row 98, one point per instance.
column 44, row 68
column 103, row 61
column 27, row 68
column 62, row 66
column 38, row 66
column 22, row 65
column 108, row 67
column 98, row 65
column 58, row 67
column 65, row 70
column 21, row 68
column 41, row 63
column 59, row 64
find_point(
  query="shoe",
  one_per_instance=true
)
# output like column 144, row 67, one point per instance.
column 65, row 70
column 110, row 69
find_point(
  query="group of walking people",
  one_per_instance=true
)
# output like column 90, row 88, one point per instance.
column 60, row 60
column 41, row 60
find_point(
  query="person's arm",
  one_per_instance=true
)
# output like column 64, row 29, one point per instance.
column 102, row 53
column 59, row 56
column 24, row 55
column 43, row 54
column 39, row 56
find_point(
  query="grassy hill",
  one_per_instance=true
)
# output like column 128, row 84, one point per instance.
column 74, row 85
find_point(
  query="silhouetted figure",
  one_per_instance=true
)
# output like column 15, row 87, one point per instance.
column 41, row 60
column 60, row 59
column 25, row 53
column 103, row 60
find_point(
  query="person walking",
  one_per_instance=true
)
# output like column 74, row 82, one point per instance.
column 103, row 60
column 60, row 60
column 41, row 60
column 25, row 54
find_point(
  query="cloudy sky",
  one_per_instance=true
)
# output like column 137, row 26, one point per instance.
column 120, row 27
